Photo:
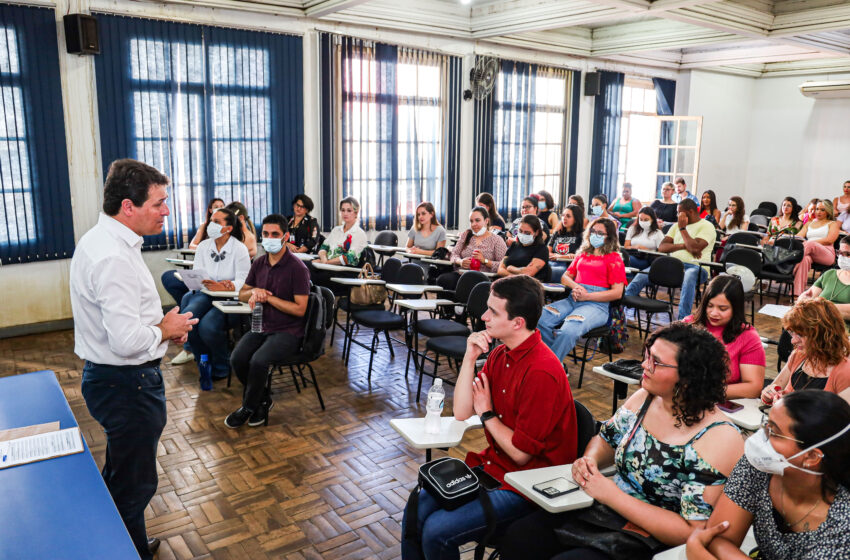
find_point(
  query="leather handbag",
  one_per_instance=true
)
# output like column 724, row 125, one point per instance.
column 368, row 294
column 780, row 259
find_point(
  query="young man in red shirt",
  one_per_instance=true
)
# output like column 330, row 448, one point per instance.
column 523, row 398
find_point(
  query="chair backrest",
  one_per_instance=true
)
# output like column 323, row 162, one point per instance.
column 743, row 237
column 411, row 274
column 749, row 258
column 586, row 426
column 388, row 238
column 466, row 282
column 625, row 256
column 771, row 206
column 367, row 256
column 319, row 317
column 476, row 305
column 763, row 212
column 790, row 243
column 667, row 271
column 390, row 270
column 760, row 220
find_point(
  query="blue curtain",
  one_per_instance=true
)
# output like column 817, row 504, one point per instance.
column 220, row 111
column 665, row 93
column 483, row 144
column 606, row 136
column 35, row 197
column 573, row 162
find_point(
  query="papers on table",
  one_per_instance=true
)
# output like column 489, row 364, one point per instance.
column 774, row 310
column 40, row 447
column 194, row 278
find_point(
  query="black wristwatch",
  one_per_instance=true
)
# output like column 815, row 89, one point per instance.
column 487, row 416
column 682, row 228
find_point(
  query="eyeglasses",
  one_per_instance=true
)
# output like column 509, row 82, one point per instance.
column 653, row 363
column 299, row 205
column 770, row 433
column 527, row 207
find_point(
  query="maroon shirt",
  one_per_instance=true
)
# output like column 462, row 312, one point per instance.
column 286, row 279
column 531, row 394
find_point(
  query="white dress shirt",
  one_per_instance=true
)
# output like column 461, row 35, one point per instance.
column 114, row 299
column 231, row 263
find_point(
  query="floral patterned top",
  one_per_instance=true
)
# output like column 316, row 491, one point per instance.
column 775, row 230
column 668, row 476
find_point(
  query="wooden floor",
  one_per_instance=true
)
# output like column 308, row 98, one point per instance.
column 312, row 484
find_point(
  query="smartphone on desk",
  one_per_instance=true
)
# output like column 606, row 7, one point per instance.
column 231, row 303
column 730, row 407
column 555, row 487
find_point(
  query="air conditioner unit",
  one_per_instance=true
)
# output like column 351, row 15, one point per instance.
column 837, row 89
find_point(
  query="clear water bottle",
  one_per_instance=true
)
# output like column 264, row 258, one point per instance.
column 257, row 318
column 206, row 373
column 434, row 407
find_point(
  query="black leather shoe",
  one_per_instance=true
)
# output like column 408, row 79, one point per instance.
column 153, row 544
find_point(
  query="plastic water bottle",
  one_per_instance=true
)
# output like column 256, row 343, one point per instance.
column 206, row 373
column 257, row 318
column 434, row 407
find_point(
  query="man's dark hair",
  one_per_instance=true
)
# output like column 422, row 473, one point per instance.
column 129, row 179
column 681, row 180
column 523, row 297
column 279, row 220
column 688, row 205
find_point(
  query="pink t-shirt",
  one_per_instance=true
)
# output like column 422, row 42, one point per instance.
column 746, row 349
column 598, row 270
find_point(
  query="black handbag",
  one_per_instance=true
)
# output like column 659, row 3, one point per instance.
column 601, row 528
column 780, row 259
column 626, row 368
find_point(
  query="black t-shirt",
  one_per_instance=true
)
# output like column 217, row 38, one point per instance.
column 570, row 240
column 664, row 211
column 521, row 255
column 497, row 221
column 515, row 226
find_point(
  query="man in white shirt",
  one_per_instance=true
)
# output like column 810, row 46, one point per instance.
column 122, row 334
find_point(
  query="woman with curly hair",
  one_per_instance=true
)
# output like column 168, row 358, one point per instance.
column 672, row 449
column 821, row 356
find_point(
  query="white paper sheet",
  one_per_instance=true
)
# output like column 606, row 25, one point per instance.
column 40, row 447
column 773, row 310
column 192, row 278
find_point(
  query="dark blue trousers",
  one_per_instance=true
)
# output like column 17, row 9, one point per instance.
column 129, row 402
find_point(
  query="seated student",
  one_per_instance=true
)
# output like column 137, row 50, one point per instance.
column 224, row 258
column 682, row 191
column 477, row 243
column 523, row 398
column 303, row 228
column 426, row 235
column 567, row 237
column 345, row 242
column 644, row 234
column 721, row 312
column 599, row 208
column 820, row 235
column 546, row 205
column 807, row 214
column 666, row 208
column 791, row 486
column 671, row 446
column 834, row 285
column 786, row 223
column 497, row 222
column 201, row 234
column 735, row 218
column 708, row 207
column 529, row 254
column 529, row 207
column 577, row 200
column 821, row 356
column 281, row 283
column 692, row 241
column 596, row 277
column 841, row 204
column 625, row 208
column 249, row 232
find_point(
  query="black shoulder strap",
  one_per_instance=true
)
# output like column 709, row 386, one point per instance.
column 411, row 530
column 490, row 519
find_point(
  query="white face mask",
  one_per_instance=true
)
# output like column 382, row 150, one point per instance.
column 843, row 262
column 480, row 232
column 525, row 238
column 645, row 223
column 213, row 231
column 272, row 245
column 761, row 454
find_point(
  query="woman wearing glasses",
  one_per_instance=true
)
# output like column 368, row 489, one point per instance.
column 529, row 206
column 791, row 486
column 821, row 351
column 303, row 228
column 225, row 259
column 672, row 449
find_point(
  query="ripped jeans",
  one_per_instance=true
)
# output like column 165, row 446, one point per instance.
column 563, row 322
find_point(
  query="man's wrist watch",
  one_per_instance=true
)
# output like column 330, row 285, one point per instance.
column 487, row 416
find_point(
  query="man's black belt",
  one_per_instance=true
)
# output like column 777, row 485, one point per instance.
column 150, row 364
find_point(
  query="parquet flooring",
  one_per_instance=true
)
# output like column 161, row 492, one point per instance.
column 312, row 484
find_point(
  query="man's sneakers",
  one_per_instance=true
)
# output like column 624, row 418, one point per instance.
column 182, row 358
column 244, row 415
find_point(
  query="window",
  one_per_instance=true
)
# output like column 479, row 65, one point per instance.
column 638, row 135
column 528, row 133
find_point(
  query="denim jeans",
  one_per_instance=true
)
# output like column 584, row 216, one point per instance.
column 561, row 333
column 443, row 532
column 129, row 402
column 209, row 336
column 693, row 274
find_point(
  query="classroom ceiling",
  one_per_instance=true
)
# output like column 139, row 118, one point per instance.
column 747, row 37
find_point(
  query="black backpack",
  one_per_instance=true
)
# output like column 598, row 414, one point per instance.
column 319, row 319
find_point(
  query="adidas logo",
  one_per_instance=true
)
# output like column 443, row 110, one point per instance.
column 458, row 480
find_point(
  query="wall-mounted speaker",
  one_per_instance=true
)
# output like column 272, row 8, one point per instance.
column 592, row 83
column 81, row 34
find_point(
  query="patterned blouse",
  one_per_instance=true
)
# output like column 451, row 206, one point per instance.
column 748, row 489
column 492, row 246
column 775, row 230
column 668, row 476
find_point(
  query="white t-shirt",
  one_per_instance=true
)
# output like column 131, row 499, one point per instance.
column 231, row 263
column 645, row 238
column 735, row 229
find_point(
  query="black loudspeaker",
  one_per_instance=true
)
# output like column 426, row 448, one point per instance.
column 592, row 83
column 81, row 35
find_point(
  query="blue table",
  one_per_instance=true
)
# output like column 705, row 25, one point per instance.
column 58, row 508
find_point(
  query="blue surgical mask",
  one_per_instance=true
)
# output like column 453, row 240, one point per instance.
column 597, row 240
column 596, row 210
column 525, row 238
column 541, row 204
column 272, row 245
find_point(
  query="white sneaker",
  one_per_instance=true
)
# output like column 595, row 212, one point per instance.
column 182, row 358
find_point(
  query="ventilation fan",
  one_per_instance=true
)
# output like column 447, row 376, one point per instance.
column 482, row 77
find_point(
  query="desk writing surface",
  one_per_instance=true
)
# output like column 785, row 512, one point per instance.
column 524, row 481
column 58, row 508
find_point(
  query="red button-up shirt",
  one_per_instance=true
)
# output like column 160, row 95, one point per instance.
column 531, row 395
